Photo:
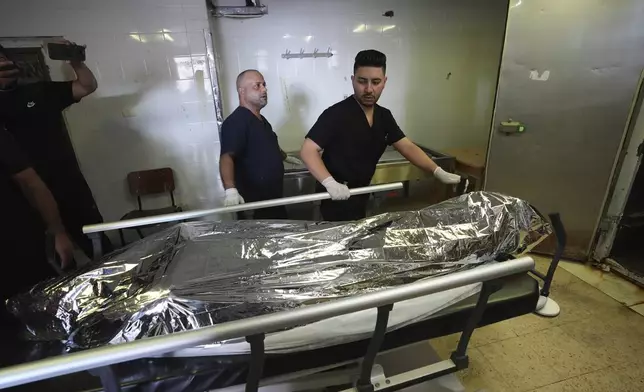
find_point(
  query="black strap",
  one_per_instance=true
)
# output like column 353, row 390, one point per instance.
column 256, row 362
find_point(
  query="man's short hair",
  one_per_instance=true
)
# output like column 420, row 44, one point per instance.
column 370, row 58
column 240, row 77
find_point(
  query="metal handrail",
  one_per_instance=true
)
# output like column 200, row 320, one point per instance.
column 107, row 355
column 179, row 216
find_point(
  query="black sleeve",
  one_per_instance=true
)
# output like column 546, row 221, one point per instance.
column 323, row 131
column 59, row 94
column 394, row 133
column 12, row 159
column 233, row 136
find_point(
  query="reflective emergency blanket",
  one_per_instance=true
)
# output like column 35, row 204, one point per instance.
column 203, row 273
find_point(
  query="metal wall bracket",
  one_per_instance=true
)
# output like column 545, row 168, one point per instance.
column 239, row 12
column 303, row 55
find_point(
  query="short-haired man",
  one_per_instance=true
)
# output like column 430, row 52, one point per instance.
column 251, row 163
column 42, row 187
column 353, row 134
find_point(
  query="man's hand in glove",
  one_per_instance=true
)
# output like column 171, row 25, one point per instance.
column 233, row 198
column 445, row 177
column 293, row 161
column 336, row 190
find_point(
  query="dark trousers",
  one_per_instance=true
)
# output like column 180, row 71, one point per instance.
column 274, row 190
column 26, row 265
column 264, row 213
column 354, row 208
column 23, row 253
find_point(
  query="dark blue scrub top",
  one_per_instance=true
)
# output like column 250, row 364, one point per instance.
column 351, row 147
column 259, row 170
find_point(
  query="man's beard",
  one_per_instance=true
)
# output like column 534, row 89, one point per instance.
column 368, row 100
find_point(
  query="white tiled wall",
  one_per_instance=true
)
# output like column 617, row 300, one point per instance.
column 443, row 59
column 154, row 106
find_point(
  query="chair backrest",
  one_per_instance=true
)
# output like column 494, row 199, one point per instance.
column 151, row 182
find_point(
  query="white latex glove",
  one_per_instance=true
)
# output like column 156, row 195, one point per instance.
column 233, row 198
column 336, row 190
column 445, row 177
column 293, row 161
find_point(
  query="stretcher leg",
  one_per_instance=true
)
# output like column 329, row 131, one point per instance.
column 459, row 357
column 97, row 245
column 256, row 362
column 546, row 306
column 364, row 382
column 109, row 381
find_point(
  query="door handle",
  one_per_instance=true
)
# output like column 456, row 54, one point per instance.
column 511, row 127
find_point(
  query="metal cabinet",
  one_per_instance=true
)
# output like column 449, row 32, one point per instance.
column 568, row 74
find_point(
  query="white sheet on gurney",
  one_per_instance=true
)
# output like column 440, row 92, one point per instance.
column 341, row 329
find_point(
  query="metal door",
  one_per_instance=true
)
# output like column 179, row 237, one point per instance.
column 568, row 75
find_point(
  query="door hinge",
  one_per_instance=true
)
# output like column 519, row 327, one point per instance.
column 609, row 221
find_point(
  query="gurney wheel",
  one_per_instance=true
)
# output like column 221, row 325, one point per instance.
column 547, row 307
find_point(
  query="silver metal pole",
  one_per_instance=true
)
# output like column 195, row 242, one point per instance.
column 107, row 355
column 179, row 216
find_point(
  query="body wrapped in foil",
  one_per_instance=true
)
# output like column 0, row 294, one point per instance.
column 199, row 274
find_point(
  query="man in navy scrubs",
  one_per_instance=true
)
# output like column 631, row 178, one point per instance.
column 251, row 162
column 353, row 134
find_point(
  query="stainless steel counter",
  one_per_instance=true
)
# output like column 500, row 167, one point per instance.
column 392, row 167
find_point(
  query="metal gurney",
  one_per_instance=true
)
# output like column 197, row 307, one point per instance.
column 507, row 292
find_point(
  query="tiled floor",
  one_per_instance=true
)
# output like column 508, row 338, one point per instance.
column 596, row 344
column 609, row 283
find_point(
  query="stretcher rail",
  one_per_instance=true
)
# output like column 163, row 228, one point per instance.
column 179, row 216
column 107, row 355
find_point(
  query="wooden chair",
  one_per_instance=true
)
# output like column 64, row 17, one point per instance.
column 147, row 183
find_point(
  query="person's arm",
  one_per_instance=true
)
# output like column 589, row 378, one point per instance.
column 41, row 199
column 227, row 170
column 14, row 162
column 290, row 159
column 316, row 140
column 85, row 82
column 418, row 158
column 310, row 154
column 233, row 142
column 415, row 155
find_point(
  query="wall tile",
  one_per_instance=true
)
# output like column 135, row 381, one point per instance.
column 196, row 18
column 197, row 43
